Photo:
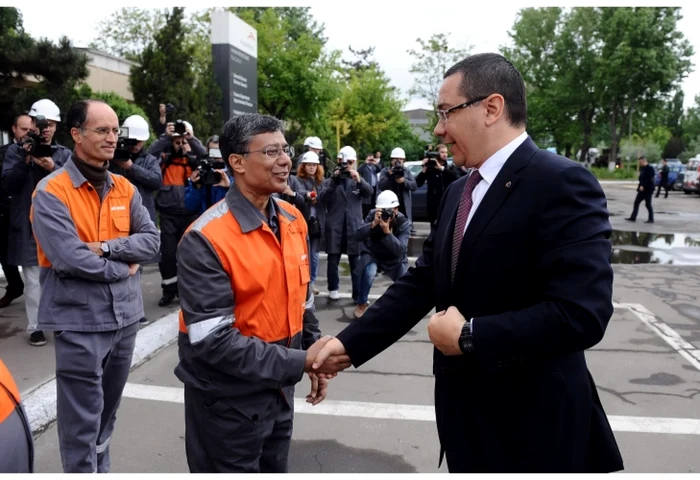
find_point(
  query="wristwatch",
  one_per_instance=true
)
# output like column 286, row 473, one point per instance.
column 105, row 249
column 466, row 340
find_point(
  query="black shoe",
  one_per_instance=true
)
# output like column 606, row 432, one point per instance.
column 166, row 299
column 144, row 321
column 631, row 219
column 8, row 298
column 37, row 338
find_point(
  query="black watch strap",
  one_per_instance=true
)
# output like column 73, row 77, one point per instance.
column 466, row 340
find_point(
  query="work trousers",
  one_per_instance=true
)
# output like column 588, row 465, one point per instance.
column 172, row 228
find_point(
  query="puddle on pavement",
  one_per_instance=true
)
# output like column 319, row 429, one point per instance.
column 663, row 249
column 638, row 247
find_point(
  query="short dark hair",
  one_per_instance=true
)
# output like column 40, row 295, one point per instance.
column 213, row 138
column 642, row 157
column 76, row 116
column 17, row 117
column 487, row 73
column 239, row 131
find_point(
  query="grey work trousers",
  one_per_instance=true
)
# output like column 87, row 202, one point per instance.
column 249, row 434
column 91, row 371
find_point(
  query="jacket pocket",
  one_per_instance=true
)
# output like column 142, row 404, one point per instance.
column 170, row 197
column 67, row 292
column 122, row 226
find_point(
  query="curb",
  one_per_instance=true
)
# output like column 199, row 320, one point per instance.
column 40, row 402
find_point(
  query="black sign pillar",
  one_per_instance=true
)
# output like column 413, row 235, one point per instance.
column 235, row 52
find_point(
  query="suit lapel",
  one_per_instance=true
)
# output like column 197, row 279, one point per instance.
column 504, row 183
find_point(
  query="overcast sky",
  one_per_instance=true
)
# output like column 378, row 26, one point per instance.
column 391, row 27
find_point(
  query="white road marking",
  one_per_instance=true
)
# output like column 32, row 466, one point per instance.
column 421, row 413
column 685, row 349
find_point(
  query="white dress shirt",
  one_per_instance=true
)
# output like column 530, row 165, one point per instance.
column 489, row 170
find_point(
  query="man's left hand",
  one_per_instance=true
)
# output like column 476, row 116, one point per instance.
column 401, row 180
column 95, row 247
column 45, row 162
column 319, row 387
column 355, row 175
column 444, row 330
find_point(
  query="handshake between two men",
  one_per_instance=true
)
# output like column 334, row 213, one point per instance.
column 327, row 357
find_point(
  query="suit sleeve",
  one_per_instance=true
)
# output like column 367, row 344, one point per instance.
column 143, row 242
column 574, row 261
column 398, row 244
column 69, row 256
column 365, row 188
column 409, row 299
column 410, row 181
column 207, row 301
column 150, row 175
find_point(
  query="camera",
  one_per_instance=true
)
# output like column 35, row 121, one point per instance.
column 180, row 127
column 208, row 166
column 124, row 144
column 398, row 171
column 35, row 140
column 169, row 111
column 343, row 167
column 387, row 213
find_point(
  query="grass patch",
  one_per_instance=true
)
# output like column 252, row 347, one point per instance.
column 617, row 174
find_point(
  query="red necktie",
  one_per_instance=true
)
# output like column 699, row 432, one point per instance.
column 465, row 205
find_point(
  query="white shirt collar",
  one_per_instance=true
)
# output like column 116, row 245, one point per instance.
column 492, row 166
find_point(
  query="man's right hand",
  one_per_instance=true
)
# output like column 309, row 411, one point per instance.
column 134, row 269
column 330, row 359
column 331, row 363
column 377, row 218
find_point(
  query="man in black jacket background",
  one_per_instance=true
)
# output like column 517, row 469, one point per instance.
column 645, row 190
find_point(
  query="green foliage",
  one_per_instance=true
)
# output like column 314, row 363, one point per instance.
column 166, row 76
column 127, row 31
column 57, row 67
column 617, row 174
column 692, row 149
column 632, row 148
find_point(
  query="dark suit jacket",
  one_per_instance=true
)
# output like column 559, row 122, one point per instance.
column 534, row 271
column 647, row 179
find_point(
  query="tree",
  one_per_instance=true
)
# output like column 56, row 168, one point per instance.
column 164, row 75
column 431, row 61
column 644, row 57
column 23, row 61
column 127, row 31
column 363, row 60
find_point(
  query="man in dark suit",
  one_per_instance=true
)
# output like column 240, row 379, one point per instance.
column 645, row 190
column 663, row 182
column 517, row 265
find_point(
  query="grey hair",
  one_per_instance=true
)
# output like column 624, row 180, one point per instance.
column 240, row 130
column 488, row 73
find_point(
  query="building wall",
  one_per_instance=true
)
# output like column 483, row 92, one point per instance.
column 108, row 73
column 418, row 119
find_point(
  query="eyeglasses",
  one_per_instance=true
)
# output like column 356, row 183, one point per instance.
column 442, row 114
column 273, row 152
column 104, row 131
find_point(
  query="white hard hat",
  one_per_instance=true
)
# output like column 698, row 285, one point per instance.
column 398, row 153
column 349, row 152
column 188, row 127
column 313, row 142
column 138, row 127
column 387, row 199
column 310, row 157
column 46, row 108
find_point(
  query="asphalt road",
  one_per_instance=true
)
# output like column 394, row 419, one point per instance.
column 379, row 418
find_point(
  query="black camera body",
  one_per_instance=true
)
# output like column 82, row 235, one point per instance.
column 207, row 171
column 180, row 127
column 398, row 171
column 35, row 140
column 430, row 154
column 431, row 164
column 169, row 111
column 387, row 213
column 124, row 144
column 343, row 168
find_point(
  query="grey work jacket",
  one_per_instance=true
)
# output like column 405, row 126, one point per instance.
column 343, row 203
column 82, row 291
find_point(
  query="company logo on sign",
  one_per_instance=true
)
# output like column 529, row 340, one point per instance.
column 251, row 37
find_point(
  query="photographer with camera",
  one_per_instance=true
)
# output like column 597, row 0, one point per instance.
column 342, row 196
column 177, row 165
column 209, row 182
column 439, row 175
column 24, row 166
column 21, row 127
column 370, row 171
column 400, row 181
column 180, row 128
column 310, row 176
column 384, row 239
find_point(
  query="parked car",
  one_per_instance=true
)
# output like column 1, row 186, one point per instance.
column 691, row 182
column 675, row 174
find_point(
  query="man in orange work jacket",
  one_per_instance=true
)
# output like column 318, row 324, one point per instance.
column 16, row 444
column 92, row 233
column 247, row 311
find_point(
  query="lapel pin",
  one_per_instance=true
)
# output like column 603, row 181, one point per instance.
column 508, row 185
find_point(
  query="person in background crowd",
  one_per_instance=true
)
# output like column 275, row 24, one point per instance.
column 342, row 196
column 311, row 177
column 399, row 180
column 370, row 171
column 439, row 176
column 645, row 190
column 663, row 181
column 21, row 172
column 384, row 237
column 21, row 126
column 201, row 195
